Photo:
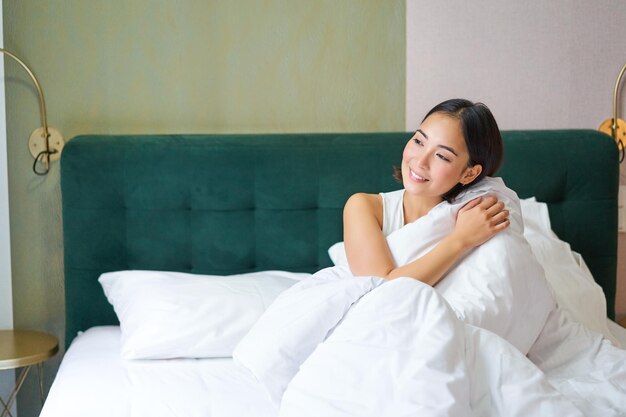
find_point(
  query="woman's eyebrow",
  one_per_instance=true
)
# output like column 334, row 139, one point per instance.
column 448, row 149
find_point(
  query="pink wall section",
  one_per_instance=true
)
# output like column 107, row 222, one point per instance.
column 536, row 64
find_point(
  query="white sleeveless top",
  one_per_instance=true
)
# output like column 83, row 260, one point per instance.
column 393, row 211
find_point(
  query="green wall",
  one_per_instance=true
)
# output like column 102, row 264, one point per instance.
column 162, row 66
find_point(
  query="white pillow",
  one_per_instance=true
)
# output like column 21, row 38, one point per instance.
column 576, row 292
column 177, row 315
column 500, row 286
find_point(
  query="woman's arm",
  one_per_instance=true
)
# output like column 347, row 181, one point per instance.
column 368, row 253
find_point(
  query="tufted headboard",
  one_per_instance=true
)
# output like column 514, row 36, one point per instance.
column 223, row 204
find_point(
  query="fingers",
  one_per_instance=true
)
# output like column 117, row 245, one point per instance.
column 500, row 217
column 493, row 211
column 502, row 225
column 492, row 206
column 473, row 203
column 488, row 202
column 495, row 208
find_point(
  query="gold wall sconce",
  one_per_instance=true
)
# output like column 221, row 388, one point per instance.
column 45, row 143
column 616, row 127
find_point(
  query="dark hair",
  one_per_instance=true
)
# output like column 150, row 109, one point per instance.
column 481, row 134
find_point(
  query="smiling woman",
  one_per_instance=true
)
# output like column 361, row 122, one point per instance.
column 457, row 145
column 436, row 160
column 479, row 132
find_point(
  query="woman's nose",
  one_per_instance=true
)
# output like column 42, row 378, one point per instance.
column 422, row 160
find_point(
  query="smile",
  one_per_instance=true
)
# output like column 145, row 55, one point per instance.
column 416, row 177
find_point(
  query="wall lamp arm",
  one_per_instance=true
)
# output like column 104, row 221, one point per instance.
column 45, row 143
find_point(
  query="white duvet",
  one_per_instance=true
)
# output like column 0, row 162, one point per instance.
column 354, row 346
column 338, row 345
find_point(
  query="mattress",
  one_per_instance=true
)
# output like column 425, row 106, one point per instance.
column 151, row 388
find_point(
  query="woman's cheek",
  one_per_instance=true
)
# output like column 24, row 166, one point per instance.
column 406, row 155
column 445, row 172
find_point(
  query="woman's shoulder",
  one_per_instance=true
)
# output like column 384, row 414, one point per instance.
column 364, row 202
column 364, row 205
column 365, row 198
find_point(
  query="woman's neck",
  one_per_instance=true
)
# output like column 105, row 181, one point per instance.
column 415, row 207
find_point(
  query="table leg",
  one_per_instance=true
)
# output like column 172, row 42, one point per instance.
column 40, row 374
column 5, row 408
column 18, row 385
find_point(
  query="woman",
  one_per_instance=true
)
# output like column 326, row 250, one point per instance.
column 458, row 143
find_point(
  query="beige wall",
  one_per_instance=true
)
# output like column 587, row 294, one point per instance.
column 537, row 64
column 150, row 66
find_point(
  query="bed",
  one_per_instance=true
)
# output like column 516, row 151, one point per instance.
column 241, row 205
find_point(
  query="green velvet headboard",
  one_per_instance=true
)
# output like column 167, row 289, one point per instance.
column 222, row 204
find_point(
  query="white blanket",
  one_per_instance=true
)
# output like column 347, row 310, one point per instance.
column 354, row 346
column 337, row 345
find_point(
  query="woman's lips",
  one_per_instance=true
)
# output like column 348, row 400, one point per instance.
column 416, row 177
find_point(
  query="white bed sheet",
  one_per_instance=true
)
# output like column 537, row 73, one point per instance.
column 95, row 379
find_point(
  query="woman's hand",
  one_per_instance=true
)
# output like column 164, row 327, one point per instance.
column 479, row 220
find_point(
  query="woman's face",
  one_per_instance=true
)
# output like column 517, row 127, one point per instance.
column 436, row 158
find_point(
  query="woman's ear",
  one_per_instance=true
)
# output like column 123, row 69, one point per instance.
column 470, row 174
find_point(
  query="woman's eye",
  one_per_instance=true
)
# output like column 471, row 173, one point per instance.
column 443, row 157
column 416, row 140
